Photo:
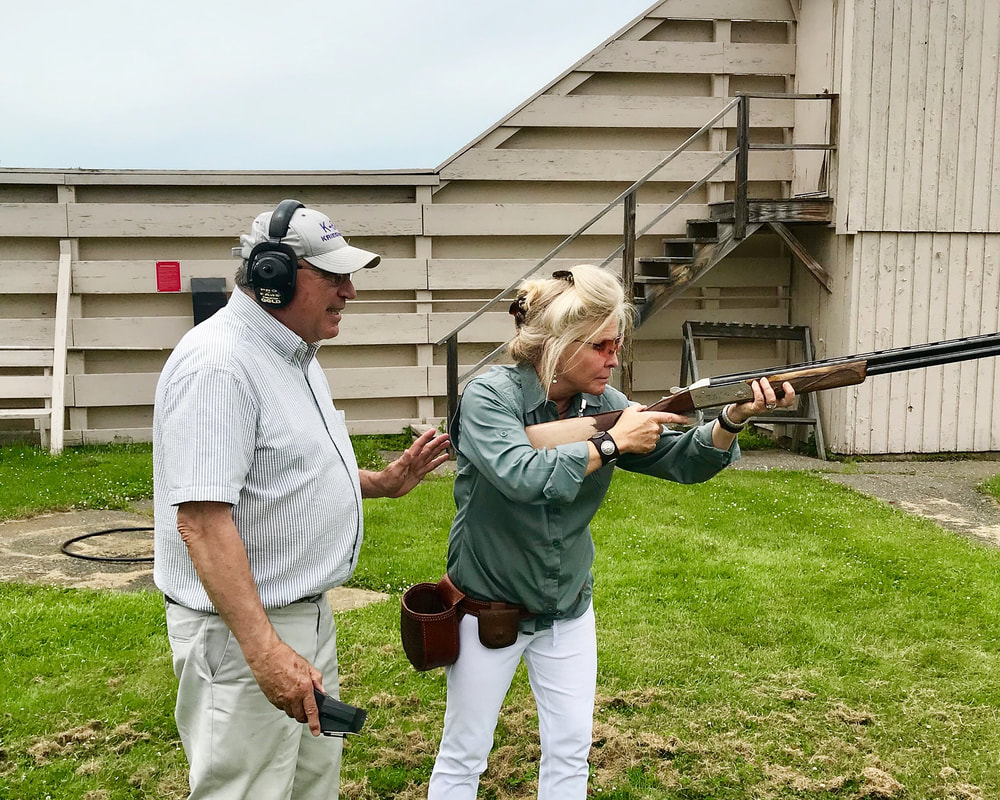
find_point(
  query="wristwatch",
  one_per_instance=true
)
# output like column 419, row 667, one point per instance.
column 606, row 447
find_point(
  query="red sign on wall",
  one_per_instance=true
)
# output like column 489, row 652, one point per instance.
column 168, row 276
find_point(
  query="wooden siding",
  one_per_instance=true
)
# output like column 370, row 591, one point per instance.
column 756, row 10
column 694, row 58
column 921, row 146
column 601, row 165
column 645, row 112
column 918, row 153
column 449, row 243
column 901, row 289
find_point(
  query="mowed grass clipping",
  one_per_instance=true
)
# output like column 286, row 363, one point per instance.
column 763, row 635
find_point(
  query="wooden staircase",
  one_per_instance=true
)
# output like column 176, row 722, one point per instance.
column 687, row 259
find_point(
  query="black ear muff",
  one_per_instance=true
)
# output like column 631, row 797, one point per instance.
column 272, row 265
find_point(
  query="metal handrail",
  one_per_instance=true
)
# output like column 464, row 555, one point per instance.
column 600, row 214
column 741, row 102
column 618, row 250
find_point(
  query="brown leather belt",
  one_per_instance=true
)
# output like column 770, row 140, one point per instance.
column 470, row 606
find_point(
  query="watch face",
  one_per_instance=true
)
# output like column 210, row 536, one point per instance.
column 608, row 448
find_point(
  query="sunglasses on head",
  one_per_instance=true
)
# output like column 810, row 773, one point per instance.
column 606, row 347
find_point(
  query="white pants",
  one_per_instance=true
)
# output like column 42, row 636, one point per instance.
column 562, row 670
column 237, row 744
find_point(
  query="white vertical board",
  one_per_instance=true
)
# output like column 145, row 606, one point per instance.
column 899, row 275
column 952, row 120
column 987, row 141
column 987, row 421
column 911, row 135
column 967, row 133
column 913, row 289
column 859, row 111
column 878, row 114
column 896, row 84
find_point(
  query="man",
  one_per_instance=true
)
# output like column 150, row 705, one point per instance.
column 258, row 513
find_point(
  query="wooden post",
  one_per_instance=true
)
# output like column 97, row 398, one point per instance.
column 64, row 286
column 741, row 203
column 628, row 284
column 452, row 374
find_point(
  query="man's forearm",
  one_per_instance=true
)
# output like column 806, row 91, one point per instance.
column 220, row 560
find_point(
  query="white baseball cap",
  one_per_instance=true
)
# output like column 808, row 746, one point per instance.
column 315, row 239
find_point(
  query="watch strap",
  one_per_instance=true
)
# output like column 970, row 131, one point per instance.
column 606, row 447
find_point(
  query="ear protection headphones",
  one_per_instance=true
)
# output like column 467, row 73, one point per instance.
column 272, row 265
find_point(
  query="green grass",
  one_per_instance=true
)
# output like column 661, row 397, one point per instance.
column 112, row 476
column 991, row 487
column 764, row 635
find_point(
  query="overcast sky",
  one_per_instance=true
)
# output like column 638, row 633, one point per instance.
column 277, row 84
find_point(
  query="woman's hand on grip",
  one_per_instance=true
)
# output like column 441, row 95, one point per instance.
column 638, row 430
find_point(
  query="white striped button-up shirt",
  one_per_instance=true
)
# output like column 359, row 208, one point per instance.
column 244, row 416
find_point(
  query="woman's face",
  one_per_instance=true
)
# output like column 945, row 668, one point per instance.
column 586, row 365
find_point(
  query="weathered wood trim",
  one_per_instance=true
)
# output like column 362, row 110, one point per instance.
column 64, row 177
column 139, row 277
column 487, row 273
column 29, row 277
column 33, row 219
column 709, row 58
column 25, row 358
column 60, row 338
column 139, row 388
column 596, row 111
column 31, row 333
column 752, row 10
column 184, row 219
column 604, row 165
column 544, row 219
column 163, row 333
column 358, row 383
column 25, row 387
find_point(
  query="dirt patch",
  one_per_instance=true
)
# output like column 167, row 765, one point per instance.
column 31, row 552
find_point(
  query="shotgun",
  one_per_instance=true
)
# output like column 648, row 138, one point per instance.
column 814, row 376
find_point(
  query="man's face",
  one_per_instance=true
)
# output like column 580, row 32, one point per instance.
column 314, row 313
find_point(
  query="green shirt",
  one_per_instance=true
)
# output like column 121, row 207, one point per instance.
column 521, row 533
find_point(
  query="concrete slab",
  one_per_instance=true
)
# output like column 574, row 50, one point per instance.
column 31, row 552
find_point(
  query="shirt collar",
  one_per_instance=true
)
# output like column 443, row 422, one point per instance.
column 534, row 395
column 288, row 344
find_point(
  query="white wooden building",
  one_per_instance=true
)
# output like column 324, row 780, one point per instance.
column 909, row 249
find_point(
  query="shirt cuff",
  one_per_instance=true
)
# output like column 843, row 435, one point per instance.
column 708, row 450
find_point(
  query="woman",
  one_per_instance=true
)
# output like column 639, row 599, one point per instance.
column 520, row 545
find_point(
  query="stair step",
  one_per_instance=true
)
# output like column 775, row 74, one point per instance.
column 654, row 279
column 703, row 230
column 791, row 209
column 665, row 260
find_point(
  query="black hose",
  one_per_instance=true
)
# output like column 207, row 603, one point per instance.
column 117, row 559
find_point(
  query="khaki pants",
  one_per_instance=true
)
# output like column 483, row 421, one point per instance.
column 237, row 744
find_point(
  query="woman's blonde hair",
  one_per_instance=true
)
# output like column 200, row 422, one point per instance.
column 554, row 314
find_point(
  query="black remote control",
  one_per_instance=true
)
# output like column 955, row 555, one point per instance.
column 336, row 718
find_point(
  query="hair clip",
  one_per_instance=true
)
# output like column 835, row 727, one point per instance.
column 518, row 311
column 563, row 274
